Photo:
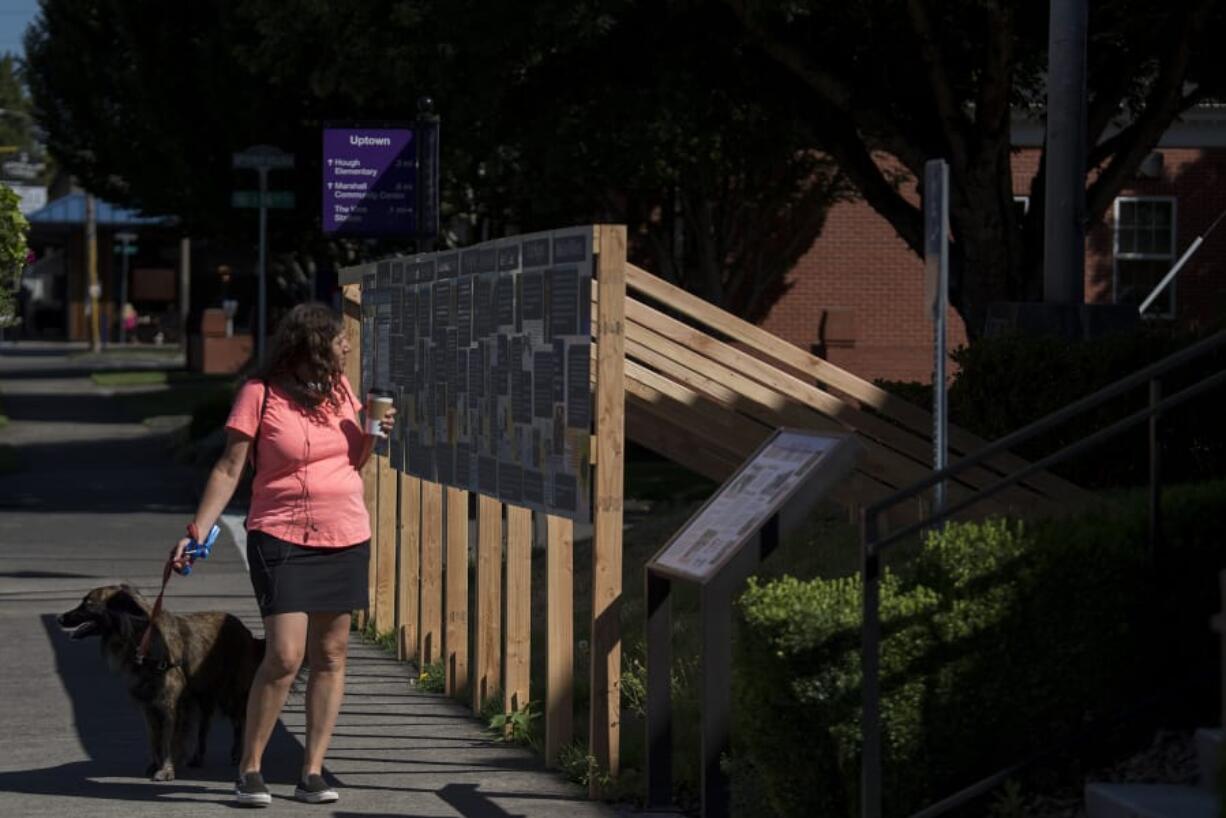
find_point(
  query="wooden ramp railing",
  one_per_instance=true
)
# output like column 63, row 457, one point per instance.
column 704, row 388
column 692, row 382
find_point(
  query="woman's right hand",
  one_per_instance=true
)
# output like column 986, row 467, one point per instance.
column 178, row 557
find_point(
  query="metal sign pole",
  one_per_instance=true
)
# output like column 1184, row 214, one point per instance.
column 936, row 277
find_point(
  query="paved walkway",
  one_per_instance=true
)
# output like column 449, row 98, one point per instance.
column 96, row 500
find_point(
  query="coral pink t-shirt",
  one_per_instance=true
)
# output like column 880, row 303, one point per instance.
column 307, row 489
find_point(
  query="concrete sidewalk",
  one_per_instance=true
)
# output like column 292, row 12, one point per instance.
column 97, row 501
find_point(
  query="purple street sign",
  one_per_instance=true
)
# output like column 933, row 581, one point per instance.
column 370, row 182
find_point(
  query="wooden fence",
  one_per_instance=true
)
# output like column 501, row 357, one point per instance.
column 679, row 376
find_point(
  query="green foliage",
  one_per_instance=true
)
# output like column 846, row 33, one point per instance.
column 515, row 726
column 13, row 252
column 1008, row 801
column 582, row 768
column 998, row 639
column 385, row 640
column 432, row 677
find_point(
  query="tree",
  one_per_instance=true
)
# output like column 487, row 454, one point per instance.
column 922, row 79
column 553, row 113
column 13, row 255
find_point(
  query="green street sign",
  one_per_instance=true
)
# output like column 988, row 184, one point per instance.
column 126, row 249
column 274, row 199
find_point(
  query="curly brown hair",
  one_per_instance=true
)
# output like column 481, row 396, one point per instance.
column 301, row 360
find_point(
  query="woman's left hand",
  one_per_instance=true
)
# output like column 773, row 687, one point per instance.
column 389, row 421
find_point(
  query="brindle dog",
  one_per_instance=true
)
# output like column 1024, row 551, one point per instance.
column 197, row 663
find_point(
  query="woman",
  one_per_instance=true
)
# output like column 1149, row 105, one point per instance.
column 308, row 532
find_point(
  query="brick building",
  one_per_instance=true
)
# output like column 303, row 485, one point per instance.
column 856, row 296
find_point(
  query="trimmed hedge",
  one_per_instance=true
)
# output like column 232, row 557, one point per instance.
column 999, row 639
column 1008, row 382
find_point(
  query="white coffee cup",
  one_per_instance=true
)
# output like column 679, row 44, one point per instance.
column 378, row 403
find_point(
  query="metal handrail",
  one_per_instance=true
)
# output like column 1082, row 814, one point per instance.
column 1055, row 418
column 872, row 545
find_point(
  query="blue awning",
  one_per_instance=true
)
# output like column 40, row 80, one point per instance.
column 70, row 209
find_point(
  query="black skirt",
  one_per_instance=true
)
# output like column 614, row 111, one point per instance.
column 289, row 578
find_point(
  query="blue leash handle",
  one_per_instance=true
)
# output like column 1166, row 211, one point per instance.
column 200, row 550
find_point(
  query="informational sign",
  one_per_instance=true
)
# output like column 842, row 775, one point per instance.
column 758, row 490
column 489, row 349
column 370, row 181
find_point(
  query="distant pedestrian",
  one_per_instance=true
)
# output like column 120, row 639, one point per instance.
column 308, row 531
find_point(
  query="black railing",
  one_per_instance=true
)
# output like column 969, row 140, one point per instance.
column 873, row 545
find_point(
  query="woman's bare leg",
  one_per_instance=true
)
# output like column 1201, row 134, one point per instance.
column 285, row 636
column 327, row 643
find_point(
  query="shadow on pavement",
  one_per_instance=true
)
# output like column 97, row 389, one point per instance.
column 111, row 730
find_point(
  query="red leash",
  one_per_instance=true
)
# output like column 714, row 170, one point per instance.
column 143, row 650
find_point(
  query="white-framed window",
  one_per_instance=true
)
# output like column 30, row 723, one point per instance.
column 1144, row 248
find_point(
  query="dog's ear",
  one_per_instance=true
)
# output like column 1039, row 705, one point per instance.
column 126, row 604
column 132, row 591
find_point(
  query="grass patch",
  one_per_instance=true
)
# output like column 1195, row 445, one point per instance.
column 137, row 377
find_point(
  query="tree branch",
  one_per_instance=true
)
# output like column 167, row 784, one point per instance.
column 953, row 121
column 1161, row 107
column 839, row 137
column 992, row 109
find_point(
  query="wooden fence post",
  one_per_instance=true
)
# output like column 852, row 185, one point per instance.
column 515, row 684
column 455, row 634
column 385, row 555
column 409, row 523
column 560, row 638
column 430, row 648
column 488, row 659
column 605, row 723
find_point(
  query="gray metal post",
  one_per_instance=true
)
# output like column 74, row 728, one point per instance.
column 1155, row 472
column 870, row 635
column 1064, row 216
column 936, row 276
column 659, row 691
column 263, row 272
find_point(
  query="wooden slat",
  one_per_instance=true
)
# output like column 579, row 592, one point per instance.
column 515, row 687
column 409, row 584
column 672, row 441
column 894, row 407
column 737, row 392
column 370, row 496
column 560, row 637
column 455, row 601
column 487, row 662
column 430, row 643
column 385, row 595
column 604, row 733
column 888, row 434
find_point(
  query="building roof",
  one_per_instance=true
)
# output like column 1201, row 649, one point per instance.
column 70, row 209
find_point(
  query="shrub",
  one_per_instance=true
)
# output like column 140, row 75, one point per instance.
column 999, row 639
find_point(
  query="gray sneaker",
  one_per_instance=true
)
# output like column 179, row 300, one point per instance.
column 251, row 791
column 315, row 791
